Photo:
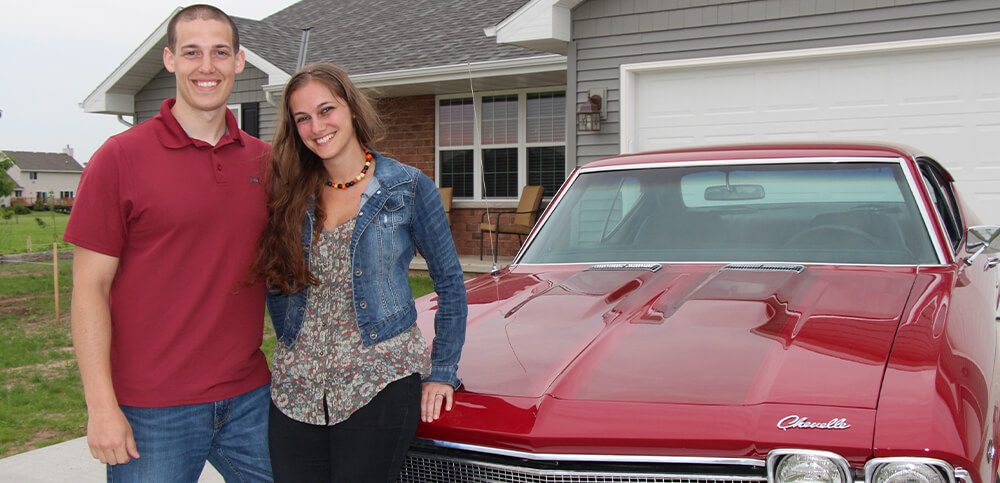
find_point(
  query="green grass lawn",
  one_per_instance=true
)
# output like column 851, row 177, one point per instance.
column 41, row 397
column 15, row 232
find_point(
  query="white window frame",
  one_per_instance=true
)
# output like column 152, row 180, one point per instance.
column 477, row 145
column 237, row 110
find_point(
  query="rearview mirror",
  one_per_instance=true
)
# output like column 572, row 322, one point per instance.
column 734, row 192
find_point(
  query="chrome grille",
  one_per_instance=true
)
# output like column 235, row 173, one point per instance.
column 440, row 465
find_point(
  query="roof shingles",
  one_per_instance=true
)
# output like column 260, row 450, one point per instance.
column 365, row 37
column 30, row 161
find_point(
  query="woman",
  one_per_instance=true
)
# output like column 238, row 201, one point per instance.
column 344, row 223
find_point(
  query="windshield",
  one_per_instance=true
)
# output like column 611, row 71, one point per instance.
column 860, row 213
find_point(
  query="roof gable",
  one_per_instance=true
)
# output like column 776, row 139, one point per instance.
column 31, row 161
column 116, row 95
column 538, row 24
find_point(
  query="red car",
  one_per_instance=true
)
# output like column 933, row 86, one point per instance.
column 779, row 313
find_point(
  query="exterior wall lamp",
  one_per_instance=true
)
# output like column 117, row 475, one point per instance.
column 588, row 117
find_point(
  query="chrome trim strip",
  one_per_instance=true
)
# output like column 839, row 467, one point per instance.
column 595, row 457
column 943, row 255
column 737, row 161
column 667, row 262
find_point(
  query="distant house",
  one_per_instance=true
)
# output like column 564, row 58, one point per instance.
column 40, row 175
column 482, row 95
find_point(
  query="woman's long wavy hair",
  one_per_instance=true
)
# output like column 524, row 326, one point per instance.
column 297, row 175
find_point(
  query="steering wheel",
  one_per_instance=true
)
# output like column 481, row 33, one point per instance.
column 833, row 231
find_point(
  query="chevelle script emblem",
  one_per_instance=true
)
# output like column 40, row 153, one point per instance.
column 801, row 422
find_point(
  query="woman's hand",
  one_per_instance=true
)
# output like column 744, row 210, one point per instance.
column 435, row 395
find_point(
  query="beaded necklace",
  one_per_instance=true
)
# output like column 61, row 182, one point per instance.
column 343, row 186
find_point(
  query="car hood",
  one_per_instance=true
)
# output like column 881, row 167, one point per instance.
column 686, row 334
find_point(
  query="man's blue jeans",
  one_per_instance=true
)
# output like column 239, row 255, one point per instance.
column 174, row 442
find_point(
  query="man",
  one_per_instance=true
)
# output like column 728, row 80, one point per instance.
column 166, row 332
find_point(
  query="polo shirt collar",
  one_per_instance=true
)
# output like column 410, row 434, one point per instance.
column 173, row 136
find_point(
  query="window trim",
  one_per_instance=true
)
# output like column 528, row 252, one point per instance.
column 237, row 110
column 477, row 146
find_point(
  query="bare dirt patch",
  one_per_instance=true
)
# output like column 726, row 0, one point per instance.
column 24, row 274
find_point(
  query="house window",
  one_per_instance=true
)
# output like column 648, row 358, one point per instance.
column 65, row 194
column 41, row 196
column 250, row 118
column 18, row 193
column 521, row 140
column 32, row 174
column 456, row 124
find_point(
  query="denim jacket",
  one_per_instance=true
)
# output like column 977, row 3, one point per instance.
column 403, row 213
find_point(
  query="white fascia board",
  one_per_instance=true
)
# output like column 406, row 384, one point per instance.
column 100, row 101
column 274, row 74
column 628, row 72
column 493, row 68
column 539, row 24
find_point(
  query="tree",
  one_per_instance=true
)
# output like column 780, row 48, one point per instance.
column 7, row 184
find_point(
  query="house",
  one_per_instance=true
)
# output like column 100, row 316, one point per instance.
column 675, row 73
column 41, row 175
column 430, row 64
column 669, row 73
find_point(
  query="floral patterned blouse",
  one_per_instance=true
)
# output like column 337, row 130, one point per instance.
column 328, row 362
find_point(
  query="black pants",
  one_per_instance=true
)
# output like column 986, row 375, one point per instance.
column 368, row 447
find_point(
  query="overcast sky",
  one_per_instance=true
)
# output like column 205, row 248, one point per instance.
column 54, row 53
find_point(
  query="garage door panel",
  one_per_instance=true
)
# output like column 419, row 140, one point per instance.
column 790, row 90
column 942, row 100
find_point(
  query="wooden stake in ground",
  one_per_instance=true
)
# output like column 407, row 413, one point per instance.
column 55, row 275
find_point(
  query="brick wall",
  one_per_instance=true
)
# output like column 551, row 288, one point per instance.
column 465, row 232
column 409, row 138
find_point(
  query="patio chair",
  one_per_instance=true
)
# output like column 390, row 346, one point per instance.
column 446, row 194
column 517, row 222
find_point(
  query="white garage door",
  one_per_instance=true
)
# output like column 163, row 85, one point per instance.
column 942, row 98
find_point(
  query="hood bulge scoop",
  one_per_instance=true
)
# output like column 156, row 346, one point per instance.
column 693, row 334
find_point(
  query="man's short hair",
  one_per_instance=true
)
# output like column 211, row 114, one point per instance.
column 199, row 12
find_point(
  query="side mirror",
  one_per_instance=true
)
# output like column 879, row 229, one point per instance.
column 983, row 238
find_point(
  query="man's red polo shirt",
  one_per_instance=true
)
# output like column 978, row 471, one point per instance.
column 183, row 218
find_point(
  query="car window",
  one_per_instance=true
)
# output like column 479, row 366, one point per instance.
column 945, row 203
column 793, row 212
column 600, row 208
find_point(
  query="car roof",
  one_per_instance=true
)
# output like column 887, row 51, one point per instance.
column 761, row 151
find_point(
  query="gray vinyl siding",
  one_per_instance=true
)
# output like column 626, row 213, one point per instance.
column 148, row 100
column 609, row 33
column 268, row 121
column 248, row 88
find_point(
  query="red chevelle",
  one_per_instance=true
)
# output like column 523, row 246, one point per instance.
column 779, row 313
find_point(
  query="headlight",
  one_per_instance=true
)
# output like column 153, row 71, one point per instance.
column 806, row 466
column 915, row 470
